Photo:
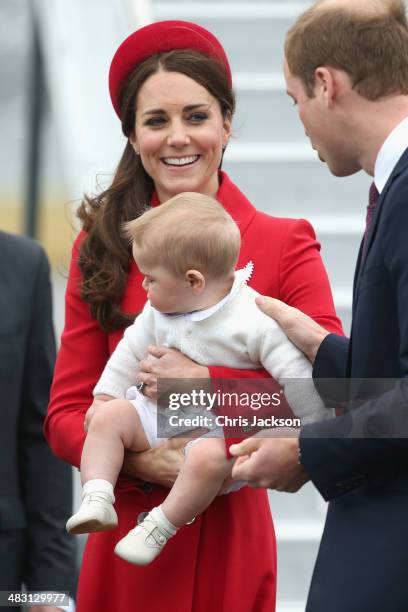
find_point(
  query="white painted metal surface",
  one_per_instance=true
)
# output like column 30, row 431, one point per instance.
column 229, row 10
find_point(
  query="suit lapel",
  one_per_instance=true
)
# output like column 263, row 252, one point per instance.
column 357, row 274
column 400, row 167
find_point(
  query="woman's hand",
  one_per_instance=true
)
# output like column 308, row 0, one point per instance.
column 170, row 363
column 160, row 465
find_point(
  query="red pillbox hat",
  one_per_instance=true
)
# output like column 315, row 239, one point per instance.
column 156, row 38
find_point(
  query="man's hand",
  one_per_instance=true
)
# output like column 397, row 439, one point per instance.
column 167, row 363
column 272, row 463
column 305, row 333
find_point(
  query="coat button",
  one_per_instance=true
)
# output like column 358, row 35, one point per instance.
column 147, row 487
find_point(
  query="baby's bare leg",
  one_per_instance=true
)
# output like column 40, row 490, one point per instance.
column 198, row 482
column 114, row 428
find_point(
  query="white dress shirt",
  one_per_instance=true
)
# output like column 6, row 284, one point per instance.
column 389, row 154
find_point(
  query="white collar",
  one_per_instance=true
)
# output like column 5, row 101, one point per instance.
column 242, row 276
column 392, row 149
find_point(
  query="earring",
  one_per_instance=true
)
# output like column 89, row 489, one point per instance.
column 137, row 152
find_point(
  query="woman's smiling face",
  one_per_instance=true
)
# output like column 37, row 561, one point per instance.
column 179, row 134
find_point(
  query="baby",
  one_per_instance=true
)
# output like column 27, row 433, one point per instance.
column 187, row 249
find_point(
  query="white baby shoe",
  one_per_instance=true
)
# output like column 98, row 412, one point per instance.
column 96, row 513
column 146, row 541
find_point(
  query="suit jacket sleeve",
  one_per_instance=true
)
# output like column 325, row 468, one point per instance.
column 332, row 357
column 351, row 450
column 46, row 480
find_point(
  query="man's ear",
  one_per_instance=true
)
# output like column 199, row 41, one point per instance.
column 325, row 84
column 195, row 280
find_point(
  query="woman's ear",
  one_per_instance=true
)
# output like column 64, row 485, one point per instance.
column 134, row 143
column 227, row 128
column 195, row 280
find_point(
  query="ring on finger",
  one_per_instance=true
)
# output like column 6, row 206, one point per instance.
column 141, row 387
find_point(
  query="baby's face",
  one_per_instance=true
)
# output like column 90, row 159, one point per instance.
column 166, row 292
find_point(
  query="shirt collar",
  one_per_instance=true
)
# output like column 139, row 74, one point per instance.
column 389, row 154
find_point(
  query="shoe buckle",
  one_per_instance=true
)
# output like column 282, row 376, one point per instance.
column 158, row 536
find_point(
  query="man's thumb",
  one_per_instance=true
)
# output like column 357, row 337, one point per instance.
column 243, row 448
column 270, row 306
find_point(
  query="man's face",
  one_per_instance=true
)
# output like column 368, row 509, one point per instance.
column 324, row 125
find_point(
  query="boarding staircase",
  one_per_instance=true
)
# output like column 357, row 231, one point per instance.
column 269, row 158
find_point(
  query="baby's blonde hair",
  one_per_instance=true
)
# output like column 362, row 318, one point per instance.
column 189, row 231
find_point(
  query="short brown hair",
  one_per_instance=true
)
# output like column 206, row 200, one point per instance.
column 189, row 231
column 367, row 39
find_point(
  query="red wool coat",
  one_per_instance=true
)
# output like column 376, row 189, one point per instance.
column 226, row 560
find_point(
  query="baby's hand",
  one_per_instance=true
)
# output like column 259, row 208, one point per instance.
column 98, row 400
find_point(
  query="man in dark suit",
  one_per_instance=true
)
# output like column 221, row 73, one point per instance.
column 35, row 486
column 346, row 69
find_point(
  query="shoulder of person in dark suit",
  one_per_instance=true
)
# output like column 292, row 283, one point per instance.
column 343, row 454
column 37, row 492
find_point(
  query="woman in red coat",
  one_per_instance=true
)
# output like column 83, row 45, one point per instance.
column 170, row 84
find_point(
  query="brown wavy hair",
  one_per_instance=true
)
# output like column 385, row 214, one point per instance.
column 105, row 254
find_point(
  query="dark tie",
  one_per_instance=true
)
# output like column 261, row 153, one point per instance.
column 373, row 196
